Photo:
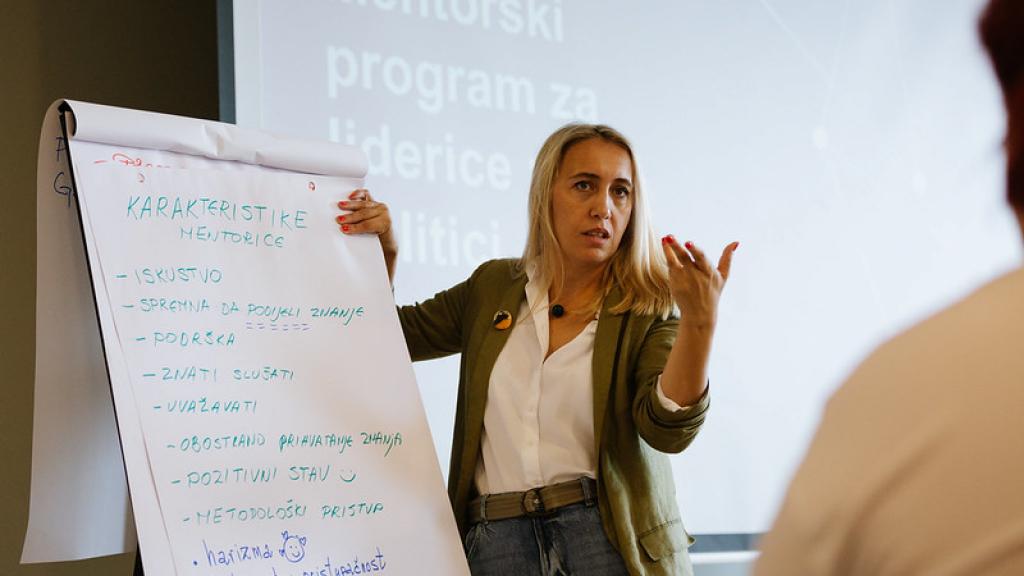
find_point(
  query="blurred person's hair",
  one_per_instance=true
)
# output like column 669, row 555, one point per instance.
column 1002, row 33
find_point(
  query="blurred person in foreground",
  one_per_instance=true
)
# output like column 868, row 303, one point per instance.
column 918, row 464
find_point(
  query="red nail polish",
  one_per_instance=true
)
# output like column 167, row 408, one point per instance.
column 341, row 218
column 689, row 244
column 344, row 228
column 671, row 239
column 664, row 239
column 342, row 204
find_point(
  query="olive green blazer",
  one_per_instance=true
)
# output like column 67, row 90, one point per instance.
column 632, row 430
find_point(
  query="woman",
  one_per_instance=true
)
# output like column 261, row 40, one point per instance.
column 575, row 379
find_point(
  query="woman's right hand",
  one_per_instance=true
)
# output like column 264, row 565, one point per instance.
column 364, row 215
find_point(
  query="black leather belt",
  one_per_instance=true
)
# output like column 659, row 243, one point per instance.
column 532, row 502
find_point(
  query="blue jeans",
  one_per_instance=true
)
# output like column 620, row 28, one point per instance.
column 569, row 542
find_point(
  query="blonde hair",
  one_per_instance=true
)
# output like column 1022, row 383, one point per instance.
column 638, row 266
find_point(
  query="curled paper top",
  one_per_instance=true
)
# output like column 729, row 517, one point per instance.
column 213, row 140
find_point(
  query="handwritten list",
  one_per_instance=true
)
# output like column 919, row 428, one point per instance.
column 281, row 421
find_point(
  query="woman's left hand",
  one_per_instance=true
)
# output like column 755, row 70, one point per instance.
column 696, row 285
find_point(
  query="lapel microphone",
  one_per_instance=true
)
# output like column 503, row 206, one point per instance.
column 557, row 311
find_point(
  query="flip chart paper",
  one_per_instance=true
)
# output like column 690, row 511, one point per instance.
column 263, row 391
column 261, row 349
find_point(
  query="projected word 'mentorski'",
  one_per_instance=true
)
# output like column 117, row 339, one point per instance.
column 541, row 19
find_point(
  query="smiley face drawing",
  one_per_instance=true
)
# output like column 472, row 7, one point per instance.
column 293, row 548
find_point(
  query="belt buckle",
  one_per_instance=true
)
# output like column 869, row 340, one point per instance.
column 532, row 504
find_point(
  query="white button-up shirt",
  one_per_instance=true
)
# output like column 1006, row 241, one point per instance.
column 538, row 422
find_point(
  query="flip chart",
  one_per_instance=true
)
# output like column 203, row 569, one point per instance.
column 265, row 403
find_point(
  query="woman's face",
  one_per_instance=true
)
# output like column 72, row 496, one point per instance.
column 591, row 203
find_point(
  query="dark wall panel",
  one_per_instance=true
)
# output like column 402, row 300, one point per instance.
column 158, row 55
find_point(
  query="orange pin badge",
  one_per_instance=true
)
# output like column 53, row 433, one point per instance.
column 502, row 320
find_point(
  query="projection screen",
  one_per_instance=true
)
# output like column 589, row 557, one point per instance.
column 853, row 148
